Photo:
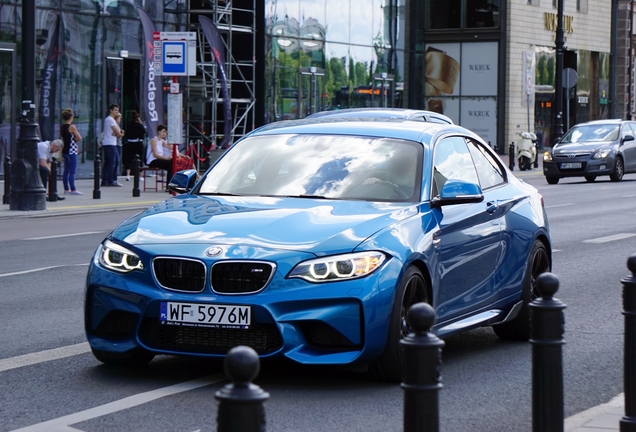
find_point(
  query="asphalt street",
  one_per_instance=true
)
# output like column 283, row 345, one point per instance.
column 49, row 379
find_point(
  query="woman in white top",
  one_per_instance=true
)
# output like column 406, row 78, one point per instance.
column 159, row 154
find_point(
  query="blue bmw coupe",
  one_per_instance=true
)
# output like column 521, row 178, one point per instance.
column 310, row 239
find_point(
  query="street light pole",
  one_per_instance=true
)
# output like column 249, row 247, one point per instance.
column 558, row 85
column 27, row 191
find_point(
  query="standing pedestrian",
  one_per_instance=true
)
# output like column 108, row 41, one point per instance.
column 109, row 145
column 70, row 136
column 117, row 167
column 133, row 143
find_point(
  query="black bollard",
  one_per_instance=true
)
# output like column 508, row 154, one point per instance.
column 546, row 337
column 6, row 198
column 511, row 156
column 97, row 168
column 135, row 169
column 421, row 371
column 536, row 156
column 53, row 180
column 628, row 422
column 241, row 403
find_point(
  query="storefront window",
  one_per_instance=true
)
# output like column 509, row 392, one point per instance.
column 482, row 13
column 454, row 14
column 461, row 82
column 443, row 14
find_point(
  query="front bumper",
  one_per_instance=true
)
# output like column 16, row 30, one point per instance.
column 332, row 323
column 589, row 167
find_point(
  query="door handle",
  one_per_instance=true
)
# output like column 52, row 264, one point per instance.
column 491, row 207
column 436, row 240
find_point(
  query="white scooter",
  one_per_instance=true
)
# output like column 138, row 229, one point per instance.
column 526, row 150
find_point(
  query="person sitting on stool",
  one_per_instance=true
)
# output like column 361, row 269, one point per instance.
column 159, row 154
column 46, row 150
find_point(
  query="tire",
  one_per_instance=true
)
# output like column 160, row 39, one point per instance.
column 134, row 357
column 519, row 327
column 524, row 163
column 619, row 170
column 552, row 180
column 590, row 179
column 413, row 288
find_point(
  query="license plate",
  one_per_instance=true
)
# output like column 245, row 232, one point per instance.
column 205, row 315
column 571, row 165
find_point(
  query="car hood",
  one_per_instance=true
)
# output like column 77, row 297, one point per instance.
column 584, row 146
column 311, row 225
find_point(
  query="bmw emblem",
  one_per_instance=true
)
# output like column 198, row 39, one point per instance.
column 213, row 251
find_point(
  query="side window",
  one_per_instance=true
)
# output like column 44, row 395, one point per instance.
column 625, row 130
column 489, row 171
column 633, row 131
column 452, row 161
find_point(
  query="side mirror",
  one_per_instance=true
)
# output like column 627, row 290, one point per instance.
column 458, row 192
column 183, row 181
column 628, row 138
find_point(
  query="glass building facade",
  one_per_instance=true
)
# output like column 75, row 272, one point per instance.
column 98, row 62
column 449, row 56
column 333, row 54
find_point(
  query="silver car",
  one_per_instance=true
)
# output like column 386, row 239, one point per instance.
column 592, row 149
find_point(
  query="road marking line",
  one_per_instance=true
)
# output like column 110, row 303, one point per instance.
column 59, row 424
column 43, row 356
column 39, row 269
column 559, row 205
column 620, row 236
column 64, row 235
column 630, row 196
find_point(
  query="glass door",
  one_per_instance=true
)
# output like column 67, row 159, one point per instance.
column 113, row 83
column 8, row 145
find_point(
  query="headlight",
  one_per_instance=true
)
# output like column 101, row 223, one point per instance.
column 118, row 258
column 341, row 267
column 601, row 153
column 547, row 157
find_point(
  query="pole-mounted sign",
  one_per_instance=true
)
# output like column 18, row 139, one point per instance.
column 175, row 53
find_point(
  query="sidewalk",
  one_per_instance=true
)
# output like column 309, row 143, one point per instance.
column 602, row 418
column 111, row 198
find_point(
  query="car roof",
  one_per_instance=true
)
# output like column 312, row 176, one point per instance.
column 377, row 127
column 606, row 121
column 403, row 113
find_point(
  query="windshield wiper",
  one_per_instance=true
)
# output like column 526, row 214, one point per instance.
column 307, row 196
column 218, row 193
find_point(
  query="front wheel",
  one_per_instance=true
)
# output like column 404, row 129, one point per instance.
column 413, row 288
column 552, row 180
column 619, row 170
column 524, row 163
column 519, row 327
column 134, row 357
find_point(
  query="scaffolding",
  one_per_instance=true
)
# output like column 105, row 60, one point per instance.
column 235, row 21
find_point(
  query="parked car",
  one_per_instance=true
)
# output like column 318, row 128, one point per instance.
column 396, row 113
column 592, row 149
column 310, row 239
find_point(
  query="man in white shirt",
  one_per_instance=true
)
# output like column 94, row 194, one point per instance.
column 109, row 145
column 46, row 150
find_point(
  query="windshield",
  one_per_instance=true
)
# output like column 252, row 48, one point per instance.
column 596, row 133
column 319, row 166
